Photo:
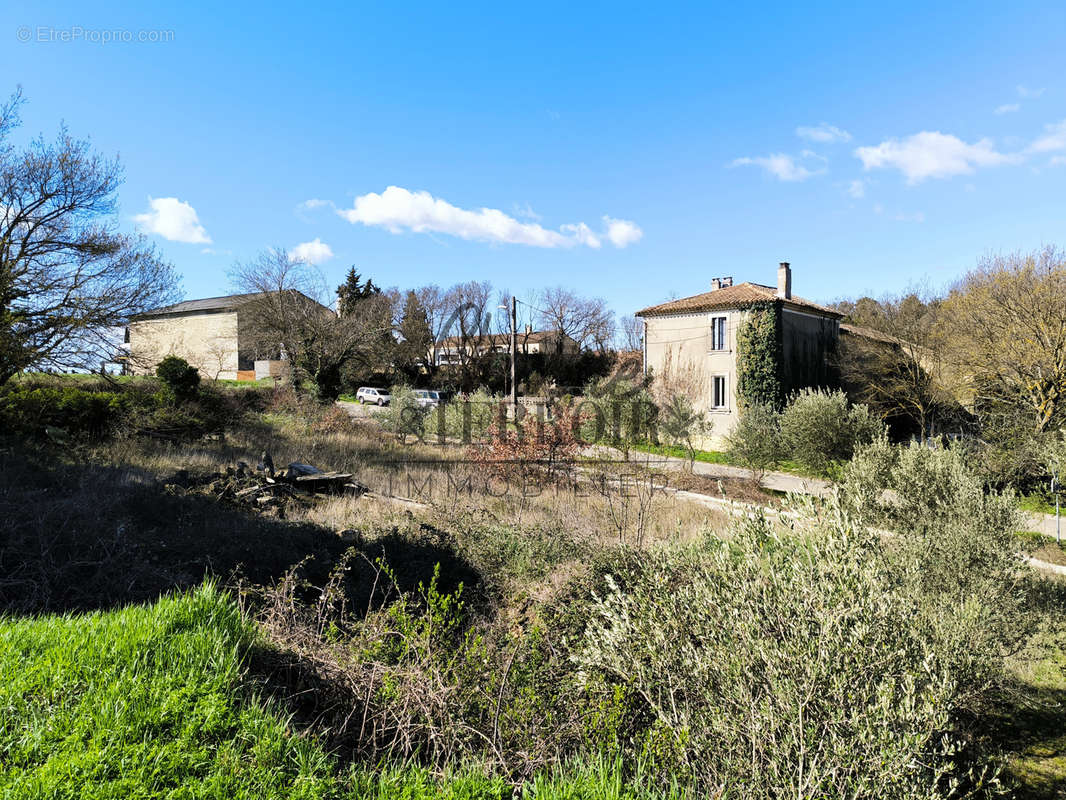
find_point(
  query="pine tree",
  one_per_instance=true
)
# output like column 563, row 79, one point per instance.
column 353, row 290
column 416, row 333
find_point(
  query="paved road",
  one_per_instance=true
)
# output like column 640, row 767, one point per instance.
column 778, row 481
column 1044, row 523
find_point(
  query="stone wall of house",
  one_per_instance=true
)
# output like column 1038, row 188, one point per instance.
column 208, row 341
column 678, row 348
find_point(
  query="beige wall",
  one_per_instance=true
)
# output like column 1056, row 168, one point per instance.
column 679, row 351
column 207, row 341
column 679, row 347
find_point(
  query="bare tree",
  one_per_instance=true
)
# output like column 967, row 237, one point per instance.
column 1005, row 324
column 288, row 317
column 68, row 278
column 469, row 320
column 588, row 321
column 631, row 334
column 892, row 358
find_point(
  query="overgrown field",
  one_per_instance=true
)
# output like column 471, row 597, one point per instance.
column 464, row 630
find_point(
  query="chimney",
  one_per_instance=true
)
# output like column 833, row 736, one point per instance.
column 716, row 284
column 727, row 282
column 784, row 281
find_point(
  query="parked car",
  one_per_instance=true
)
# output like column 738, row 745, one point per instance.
column 369, row 394
column 426, row 398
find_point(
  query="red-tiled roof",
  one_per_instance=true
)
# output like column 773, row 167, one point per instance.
column 739, row 296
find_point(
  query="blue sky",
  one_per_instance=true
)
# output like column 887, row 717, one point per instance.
column 628, row 151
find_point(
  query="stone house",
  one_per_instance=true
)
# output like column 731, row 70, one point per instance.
column 213, row 334
column 692, row 342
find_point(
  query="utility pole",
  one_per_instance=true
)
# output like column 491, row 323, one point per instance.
column 514, row 356
column 1058, row 522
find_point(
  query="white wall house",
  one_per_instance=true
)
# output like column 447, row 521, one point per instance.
column 693, row 343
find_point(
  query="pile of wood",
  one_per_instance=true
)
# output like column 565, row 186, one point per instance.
column 267, row 489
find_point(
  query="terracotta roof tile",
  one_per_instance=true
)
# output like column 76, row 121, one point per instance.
column 738, row 296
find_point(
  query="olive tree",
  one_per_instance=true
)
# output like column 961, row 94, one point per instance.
column 68, row 276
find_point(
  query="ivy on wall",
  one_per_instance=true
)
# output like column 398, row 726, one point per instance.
column 760, row 357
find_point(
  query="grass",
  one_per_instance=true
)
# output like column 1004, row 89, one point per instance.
column 720, row 457
column 155, row 701
column 146, row 701
column 674, row 451
column 1032, row 725
column 162, row 699
column 1035, row 504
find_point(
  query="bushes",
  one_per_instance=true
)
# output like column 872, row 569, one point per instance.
column 954, row 548
column 403, row 416
column 470, row 416
column 779, row 665
column 537, row 449
column 818, row 428
column 755, row 440
column 29, row 409
column 180, row 378
column 97, row 409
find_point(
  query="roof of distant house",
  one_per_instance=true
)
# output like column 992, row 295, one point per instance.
column 740, row 296
column 207, row 304
column 869, row 333
column 493, row 339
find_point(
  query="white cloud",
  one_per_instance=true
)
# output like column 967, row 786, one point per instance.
column 313, row 252
column 1054, row 138
column 783, row 166
column 857, row 188
column 931, row 154
column 1057, row 161
column 314, row 202
column 918, row 217
column 172, row 219
column 824, row 133
column 399, row 210
column 526, row 212
column 1025, row 92
column 1007, row 108
column 622, row 232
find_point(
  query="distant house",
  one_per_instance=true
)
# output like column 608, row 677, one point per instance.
column 697, row 337
column 213, row 334
column 454, row 349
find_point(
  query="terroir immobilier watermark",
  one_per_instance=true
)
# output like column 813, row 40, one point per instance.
column 49, row 34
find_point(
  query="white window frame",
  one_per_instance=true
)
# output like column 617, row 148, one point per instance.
column 720, row 344
column 724, row 406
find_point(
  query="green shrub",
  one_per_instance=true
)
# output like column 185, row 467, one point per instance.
column 755, row 440
column 819, row 428
column 404, row 416
column 29, row 409
column 618, row 411
column 181, row 379
column 953, row 547
column 471, row 415
column 776, row 665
